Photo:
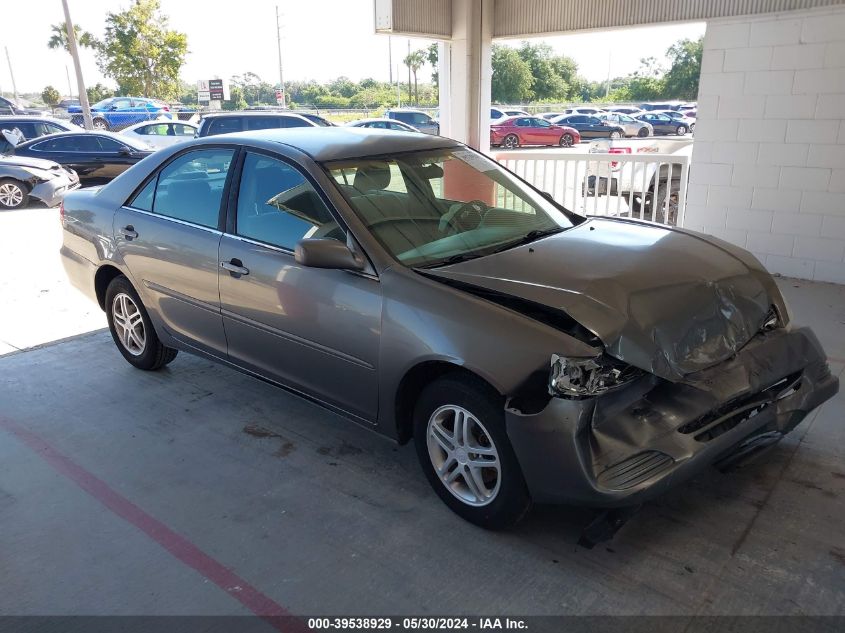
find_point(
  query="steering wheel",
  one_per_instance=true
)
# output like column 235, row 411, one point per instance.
column 467, row 216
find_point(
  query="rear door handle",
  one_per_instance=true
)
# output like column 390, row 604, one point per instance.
column 129, row 232
column 235, row 267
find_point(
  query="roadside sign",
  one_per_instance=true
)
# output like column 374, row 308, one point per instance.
column 212, row 90
column 280, row 96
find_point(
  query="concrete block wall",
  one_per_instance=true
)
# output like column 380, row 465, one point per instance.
column 768, row 165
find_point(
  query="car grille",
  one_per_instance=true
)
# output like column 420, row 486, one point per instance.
column 735, row 412
column 634, row 470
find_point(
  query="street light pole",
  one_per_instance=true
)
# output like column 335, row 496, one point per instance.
column 69, row 85
column 279, row 42
column 80, row 83
column 12, row 73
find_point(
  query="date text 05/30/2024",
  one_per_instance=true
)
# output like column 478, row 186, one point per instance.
column 417, row 624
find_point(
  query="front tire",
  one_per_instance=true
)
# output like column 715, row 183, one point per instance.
column 511, row 141
column 131, row 328
column 464, row 451
column 567, row 140
column 643, row 132
column 100, row 124
column 13, row 194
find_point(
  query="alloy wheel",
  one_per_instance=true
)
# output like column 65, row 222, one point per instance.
column 566, row 140
column 511, row 141
column 615, row 134
column 11, row 195
column 99, row 124
column 129, row 324
column 464, row 456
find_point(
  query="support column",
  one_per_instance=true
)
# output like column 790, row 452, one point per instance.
column 465, row 72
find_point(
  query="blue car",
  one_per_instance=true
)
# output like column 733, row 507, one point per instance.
column 116, row 113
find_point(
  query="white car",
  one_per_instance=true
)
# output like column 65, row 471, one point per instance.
column 161, row 133
column 497, row 113
column 383, row 124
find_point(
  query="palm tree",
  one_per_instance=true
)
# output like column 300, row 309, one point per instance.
column 414, row 61
column 58, row 39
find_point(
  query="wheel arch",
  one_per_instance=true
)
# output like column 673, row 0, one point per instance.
column 416, row 379
column 102, row 278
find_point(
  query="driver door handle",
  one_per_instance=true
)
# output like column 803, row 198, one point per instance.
column 235, row 267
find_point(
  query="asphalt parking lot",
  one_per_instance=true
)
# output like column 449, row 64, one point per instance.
column 197, row 490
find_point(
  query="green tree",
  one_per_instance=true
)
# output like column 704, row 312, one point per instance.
column 141, row 53
column 548, row 83
column 98, row 92
column 343, row 87
column 236, row 99
column 433, row 55
column 681, row 80
column 50, row 96
column 414, row 61
column 58, row 37
column 512, row 79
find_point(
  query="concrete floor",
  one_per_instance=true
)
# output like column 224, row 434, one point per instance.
column 197, row 490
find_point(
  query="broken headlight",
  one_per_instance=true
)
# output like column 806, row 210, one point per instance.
column 585, row 377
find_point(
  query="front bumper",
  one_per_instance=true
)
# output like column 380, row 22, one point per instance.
column 52, row 191
column 629, row 446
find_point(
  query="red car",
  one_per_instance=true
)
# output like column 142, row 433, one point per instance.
column 531, row 130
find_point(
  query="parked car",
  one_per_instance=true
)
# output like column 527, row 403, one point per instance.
column 629, row 110
column 416, row 118
column 421, row 289
column 316, row 118
column 118, row 112
column 158, row 134
column 7, row 106
column 590, row 110
column 515, row 131
column 589, row 126
column 679, row 116
column 384, row 124
column 551, row 115
column 31, row 126
column 22, row 179
column 666, row 105
column 226, row 122
column 630, row 125
column 497, row 113
column 664, row 124
column 65, row 104
column 97, row 155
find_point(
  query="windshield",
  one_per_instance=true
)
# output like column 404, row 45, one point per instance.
column 437, row 207
column 103, row 104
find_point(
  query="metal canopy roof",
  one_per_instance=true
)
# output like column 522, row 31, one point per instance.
column 520, row 18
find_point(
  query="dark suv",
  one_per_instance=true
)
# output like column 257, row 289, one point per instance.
column 416, row 118
column 226, row 122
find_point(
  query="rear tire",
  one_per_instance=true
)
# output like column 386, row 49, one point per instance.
column 131, row 328
column 511, row 141
column 682, row 130
column 615, row 134
column 459, row 428
column 13, row 194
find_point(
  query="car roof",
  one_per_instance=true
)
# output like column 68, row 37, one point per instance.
column 126, row 140
column 158, row 122
column 253, row 113
column 377, row 120
column 340, row 143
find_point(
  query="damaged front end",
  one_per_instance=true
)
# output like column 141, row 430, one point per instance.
column 632, row 443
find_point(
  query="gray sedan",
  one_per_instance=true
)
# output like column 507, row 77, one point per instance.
column 423, row 291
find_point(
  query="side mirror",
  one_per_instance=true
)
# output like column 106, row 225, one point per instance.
column 326, row 253
column 125, row 151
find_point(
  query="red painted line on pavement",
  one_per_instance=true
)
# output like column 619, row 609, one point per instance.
column 180, row 547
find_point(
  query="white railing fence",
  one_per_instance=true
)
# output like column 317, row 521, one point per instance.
column 646, row 186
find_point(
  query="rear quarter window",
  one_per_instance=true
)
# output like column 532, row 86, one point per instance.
column 224, row 125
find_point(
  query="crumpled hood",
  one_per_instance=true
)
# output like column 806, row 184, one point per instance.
column 663, row 300
column 23, row 161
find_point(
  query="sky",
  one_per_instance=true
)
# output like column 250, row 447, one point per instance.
column 321, row 40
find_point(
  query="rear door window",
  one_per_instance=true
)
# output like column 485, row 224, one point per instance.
column 189, row 188
column 262, row 123
column 293, row 121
